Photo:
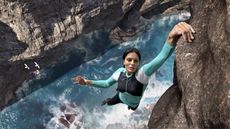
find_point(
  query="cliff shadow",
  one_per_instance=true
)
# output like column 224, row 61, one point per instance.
column 159, row 8
column 10, row 71
column 9, row 44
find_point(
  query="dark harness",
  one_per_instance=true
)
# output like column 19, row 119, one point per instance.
column 129, row 84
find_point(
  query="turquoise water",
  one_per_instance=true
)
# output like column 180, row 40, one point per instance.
column 42, row 108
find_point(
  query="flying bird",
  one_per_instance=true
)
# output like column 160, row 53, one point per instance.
column 36, row 65
column 26, row 66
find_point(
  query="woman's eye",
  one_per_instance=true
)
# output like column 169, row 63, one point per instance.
column 129, row 60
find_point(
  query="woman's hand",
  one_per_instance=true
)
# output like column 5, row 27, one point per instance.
column 81, row 80
column 181, row 29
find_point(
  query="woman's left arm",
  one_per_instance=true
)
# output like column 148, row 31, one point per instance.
column 181, row 29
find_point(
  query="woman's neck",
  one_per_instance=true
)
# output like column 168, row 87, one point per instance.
column 128, row 74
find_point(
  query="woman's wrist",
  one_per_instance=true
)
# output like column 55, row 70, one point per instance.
column 88, row 82
column 172, row 40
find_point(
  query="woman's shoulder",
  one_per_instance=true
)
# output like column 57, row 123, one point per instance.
column 118, row 71
column 121, row 69
column 141, row 76
column 116, row 74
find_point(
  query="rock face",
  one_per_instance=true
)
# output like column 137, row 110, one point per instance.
column 42, row 31
column 45, row 24
column 200, row 96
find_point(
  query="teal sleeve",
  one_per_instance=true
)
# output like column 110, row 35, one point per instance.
column 103, row 83
column 109, row 82
column 153, row 65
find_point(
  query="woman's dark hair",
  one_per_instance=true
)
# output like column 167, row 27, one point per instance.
column 129, row 50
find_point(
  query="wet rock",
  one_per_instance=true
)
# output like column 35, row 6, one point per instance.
column 69, row 114
column 67, row 119
column 119, row 35
column 199, row 97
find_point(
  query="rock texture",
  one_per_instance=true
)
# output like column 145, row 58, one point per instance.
column 43, row 31
column 44, row 24
column 200, row 96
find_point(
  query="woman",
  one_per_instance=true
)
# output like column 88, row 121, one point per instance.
column 132, row 80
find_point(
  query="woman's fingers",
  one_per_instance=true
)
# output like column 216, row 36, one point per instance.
column 185, row 36
column 191, row 29
column 190, row 36
column 182, row 30
column 187, row 31
column 79, row 80
column 75, row 80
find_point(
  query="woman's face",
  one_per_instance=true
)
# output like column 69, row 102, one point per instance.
column 131, row 62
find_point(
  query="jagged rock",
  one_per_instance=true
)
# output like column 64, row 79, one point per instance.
column 119, row 35
column 46, row 23
column 69, row 115
column 164, row 7
column 128, row 26
column 67, row 119
column 199, row 97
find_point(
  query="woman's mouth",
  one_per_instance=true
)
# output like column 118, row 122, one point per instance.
column 131, row 68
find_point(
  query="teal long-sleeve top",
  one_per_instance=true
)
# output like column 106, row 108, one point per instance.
column 142, row 75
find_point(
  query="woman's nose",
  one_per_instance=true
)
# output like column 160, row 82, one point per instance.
column 132, row 62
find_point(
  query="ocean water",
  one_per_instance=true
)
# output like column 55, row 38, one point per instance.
column 42, row 108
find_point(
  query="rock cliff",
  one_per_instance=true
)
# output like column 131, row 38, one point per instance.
column 43, row 32
column 200, row 95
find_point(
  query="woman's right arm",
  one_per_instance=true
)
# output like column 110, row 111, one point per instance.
column 95, row 83
column 103, row 83
column 98, row 83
